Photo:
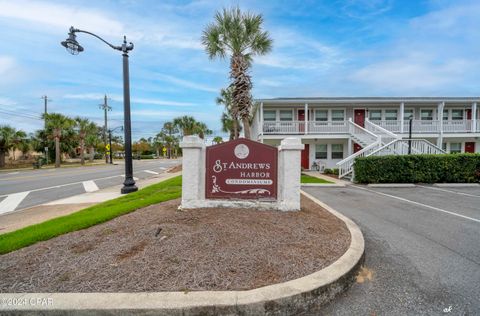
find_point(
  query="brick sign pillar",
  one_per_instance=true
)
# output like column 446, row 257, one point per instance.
column 289, row 169
column 193, row 157
column 258, row 193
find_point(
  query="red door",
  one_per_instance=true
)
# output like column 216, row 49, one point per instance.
column 301, row 119
column 469, row 114
column 356, row 147
column 359, row 117
column 305, row 154
column 469, row 147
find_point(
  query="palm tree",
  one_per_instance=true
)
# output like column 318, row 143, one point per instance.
column 241, row 36
column 84, row 126
column 57, row 124
column 226, row 99
column 9, row 139
column 202, row 130
column 186, row 124
column 217, row 140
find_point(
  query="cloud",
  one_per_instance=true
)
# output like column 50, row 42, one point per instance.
column 6, row 64
column 185, row 83
column 119, row 98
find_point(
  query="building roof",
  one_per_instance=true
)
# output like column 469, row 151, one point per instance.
column 368, row 99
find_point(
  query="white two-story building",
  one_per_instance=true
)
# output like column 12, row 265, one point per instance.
column 337, row 130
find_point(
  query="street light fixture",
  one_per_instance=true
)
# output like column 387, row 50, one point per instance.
column 74, row 48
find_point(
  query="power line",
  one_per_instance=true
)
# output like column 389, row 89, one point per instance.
column 22, row 115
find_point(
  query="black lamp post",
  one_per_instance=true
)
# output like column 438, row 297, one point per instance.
column 74, row 48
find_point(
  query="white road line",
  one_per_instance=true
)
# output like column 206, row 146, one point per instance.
column 420, row 204
column 90, row 186
column 135, row 178
column 12, row 201
column 444, row 190
column 66, row 184
column 14, row 172
column 162, row 168
column 150, row 171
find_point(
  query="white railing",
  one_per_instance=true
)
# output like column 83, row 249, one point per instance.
column 478, row 126
column 457, row 126
column 385, row 134
column 346, row 165
column 422, row 126
column 360, row 134
column 390, row 125
column 326, row 127
column 283, row 127
column 400, row 147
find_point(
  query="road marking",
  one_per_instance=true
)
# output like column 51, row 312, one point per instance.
column 90, row 186
column 444, row 190
column 13, row 172
column 12, row 201
column 420, row 204
column 150, row 171
column 66, row 184
column 135, row 178
column 162, row 168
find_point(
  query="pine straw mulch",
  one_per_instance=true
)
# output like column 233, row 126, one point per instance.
column 159, row 248
column 175, row 169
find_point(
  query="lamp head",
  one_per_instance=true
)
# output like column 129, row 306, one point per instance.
column 71, row 44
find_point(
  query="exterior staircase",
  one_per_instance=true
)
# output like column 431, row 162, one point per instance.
column 377, row 141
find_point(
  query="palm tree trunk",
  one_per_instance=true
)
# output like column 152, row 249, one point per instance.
column 82, row 151
column 246, row 127
column 242, row 85
column 57, row 152
column 2, row 159
column 235, row 128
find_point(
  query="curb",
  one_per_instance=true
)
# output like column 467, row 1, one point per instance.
column 292, row 297
column 325, row 185
column 391, row 185
column 456, row 185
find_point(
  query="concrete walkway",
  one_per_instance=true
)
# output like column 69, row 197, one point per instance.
column 37, row 214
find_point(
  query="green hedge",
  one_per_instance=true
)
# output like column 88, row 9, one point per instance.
column 452, row 168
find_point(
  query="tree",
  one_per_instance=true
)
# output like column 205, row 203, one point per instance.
column 202, row 130
column 186, row 124
column 230, row 122
column 241, row 36
column 9, row 139
column 217, row 140
column 84, row 126
column 58, row 125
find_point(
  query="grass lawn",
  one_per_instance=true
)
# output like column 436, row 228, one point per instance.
column 160, row 192
column 309, row 179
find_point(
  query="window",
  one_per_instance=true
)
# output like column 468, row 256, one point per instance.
column 321, row 115
column 426, row 115
column 457, row 114
column 286, row 115
column 391, row 115
column 455, row 148
column 375, row 115
column 444, row 147
column 407, row 113
column 337, row 151
column 445, row 115
column 269, row 115
column 321, row 151
column 338, row 115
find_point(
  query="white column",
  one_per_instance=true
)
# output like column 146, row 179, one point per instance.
column 350, row 146
column 289, row 174
column 440, row 107
column 193, row 164
column 402, row 114
column 474, row 117
column 306, row 118
column 261, row 121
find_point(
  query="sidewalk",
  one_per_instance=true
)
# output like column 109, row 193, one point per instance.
column 40, row 213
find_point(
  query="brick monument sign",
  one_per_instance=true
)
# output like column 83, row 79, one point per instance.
column 241, row 169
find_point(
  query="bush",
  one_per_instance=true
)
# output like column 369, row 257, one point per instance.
column 452, row 168
column 331, row 171
column 147, row 156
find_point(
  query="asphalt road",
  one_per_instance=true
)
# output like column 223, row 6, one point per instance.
column 422, row 250
column 23, row 189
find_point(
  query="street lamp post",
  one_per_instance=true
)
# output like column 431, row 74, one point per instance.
column 74, row 48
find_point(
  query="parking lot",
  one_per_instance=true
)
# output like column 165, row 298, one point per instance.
column 422, row 249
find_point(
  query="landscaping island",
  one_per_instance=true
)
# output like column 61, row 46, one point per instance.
column 159, row 248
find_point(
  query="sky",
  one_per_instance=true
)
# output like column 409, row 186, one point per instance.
column 320, row 48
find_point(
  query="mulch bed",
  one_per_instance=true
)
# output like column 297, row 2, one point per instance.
column 175, row 169
column 159, row 248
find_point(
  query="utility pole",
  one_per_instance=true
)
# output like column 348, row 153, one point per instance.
column 105, row 108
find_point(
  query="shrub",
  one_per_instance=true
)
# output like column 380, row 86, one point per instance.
column 328, row 171
column 146, row 157
column 453, row 168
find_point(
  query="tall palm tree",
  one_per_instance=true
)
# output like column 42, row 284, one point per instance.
column 226, row 99
column 186, row 124
column 9, row 139
column 57, row 124
column 240, row 35
column 217, row 140
column 84, row 126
